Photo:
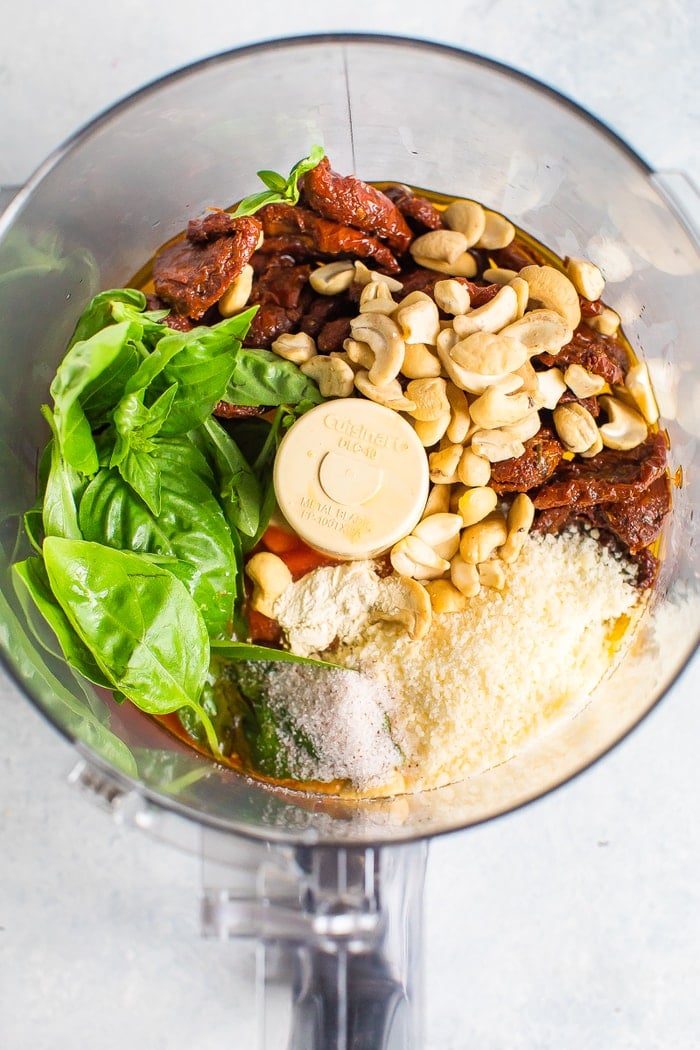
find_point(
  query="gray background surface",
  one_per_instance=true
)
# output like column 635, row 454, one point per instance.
column 572, row 924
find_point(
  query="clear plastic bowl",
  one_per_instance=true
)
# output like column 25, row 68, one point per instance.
column 385, row 108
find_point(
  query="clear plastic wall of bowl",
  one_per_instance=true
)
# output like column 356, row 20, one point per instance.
column 385, row 109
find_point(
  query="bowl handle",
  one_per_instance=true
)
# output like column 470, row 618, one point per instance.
column 340, row 926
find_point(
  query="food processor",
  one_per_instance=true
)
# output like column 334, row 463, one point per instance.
column 331, row 887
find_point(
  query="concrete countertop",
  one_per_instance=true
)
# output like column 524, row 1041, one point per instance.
column 571, row 924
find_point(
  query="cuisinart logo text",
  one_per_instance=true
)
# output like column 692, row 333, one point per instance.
column 356, row 437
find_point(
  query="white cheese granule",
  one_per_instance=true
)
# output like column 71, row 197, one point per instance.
column 483, row 681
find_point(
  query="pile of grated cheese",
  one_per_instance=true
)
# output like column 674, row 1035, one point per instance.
column 483, row 681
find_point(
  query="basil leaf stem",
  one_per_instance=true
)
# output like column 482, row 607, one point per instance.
column 280, row 190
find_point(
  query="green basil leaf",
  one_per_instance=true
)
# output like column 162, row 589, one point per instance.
column 81, row 365
column 233, row 651
column 271, row 741
column 144, row 630
column 66, row 706
column 260, row 377
column 34, row 593
column 62, row 491
column 104, row 392
column 191, row 527
column 256, row 201
column 238, row 487
column 280, row 189
column 98, row 314
column 201, row 369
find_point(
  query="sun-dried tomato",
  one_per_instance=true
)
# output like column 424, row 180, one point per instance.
column 419, row 212
column 539, row 461
column 636, row 521
column 320, row 236
column 193, row 275
column 600, row 354
column 350, row 201
column 611, row 476
column 516, row 255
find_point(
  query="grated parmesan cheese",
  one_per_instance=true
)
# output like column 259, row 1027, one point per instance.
column 480, row 684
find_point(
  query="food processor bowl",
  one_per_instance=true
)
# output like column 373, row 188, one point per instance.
column 335, row 880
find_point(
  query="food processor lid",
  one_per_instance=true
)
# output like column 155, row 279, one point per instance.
column 351, row 478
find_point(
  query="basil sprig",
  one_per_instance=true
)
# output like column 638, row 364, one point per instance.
column 280, row 190
column 147, row 503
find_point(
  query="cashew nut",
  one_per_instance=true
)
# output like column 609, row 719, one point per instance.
column 494, row 315
column 466, row 216
column 595, row 448
column 419, row 362
column 363, row 275
column 441, row 532
column 359, row 353
column 238, row 293
column 270, row 577
column 494, row 408
column 444, row 596
column 606, row 322
column 475, row 504
column 430, row 398
column 524, row 429
column 402, row 600
column 464, row 266
column 541, row 331
column 384, row 338
column 443, row 246
column 438, row 501
column 376, row 298
column 583, row 383
column 499, row 275
column 528, row 376
column 460, row 418
column 522, row 291
column 388, row 394
column 519, row 522
column 419, row 321
column 334, row 377
column 297, row 347
column 638, row 384
column 413, row 557
column 452, row 296
column 575, row 426
column 383, row 278
column 430, row 431
column 550, row 387
column 625, row 428
column 443, row 464
column 498, row 231
column 496, row 445
column 473, row 471
column 333, row 277
column 554, row 291
column 344, row 356
column 465, row 576
column 488, row 354
column 462, row 379
column 479, row 541
column 586, row 278
column 492, row 574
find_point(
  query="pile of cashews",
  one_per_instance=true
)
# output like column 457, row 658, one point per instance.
column 464, row 378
